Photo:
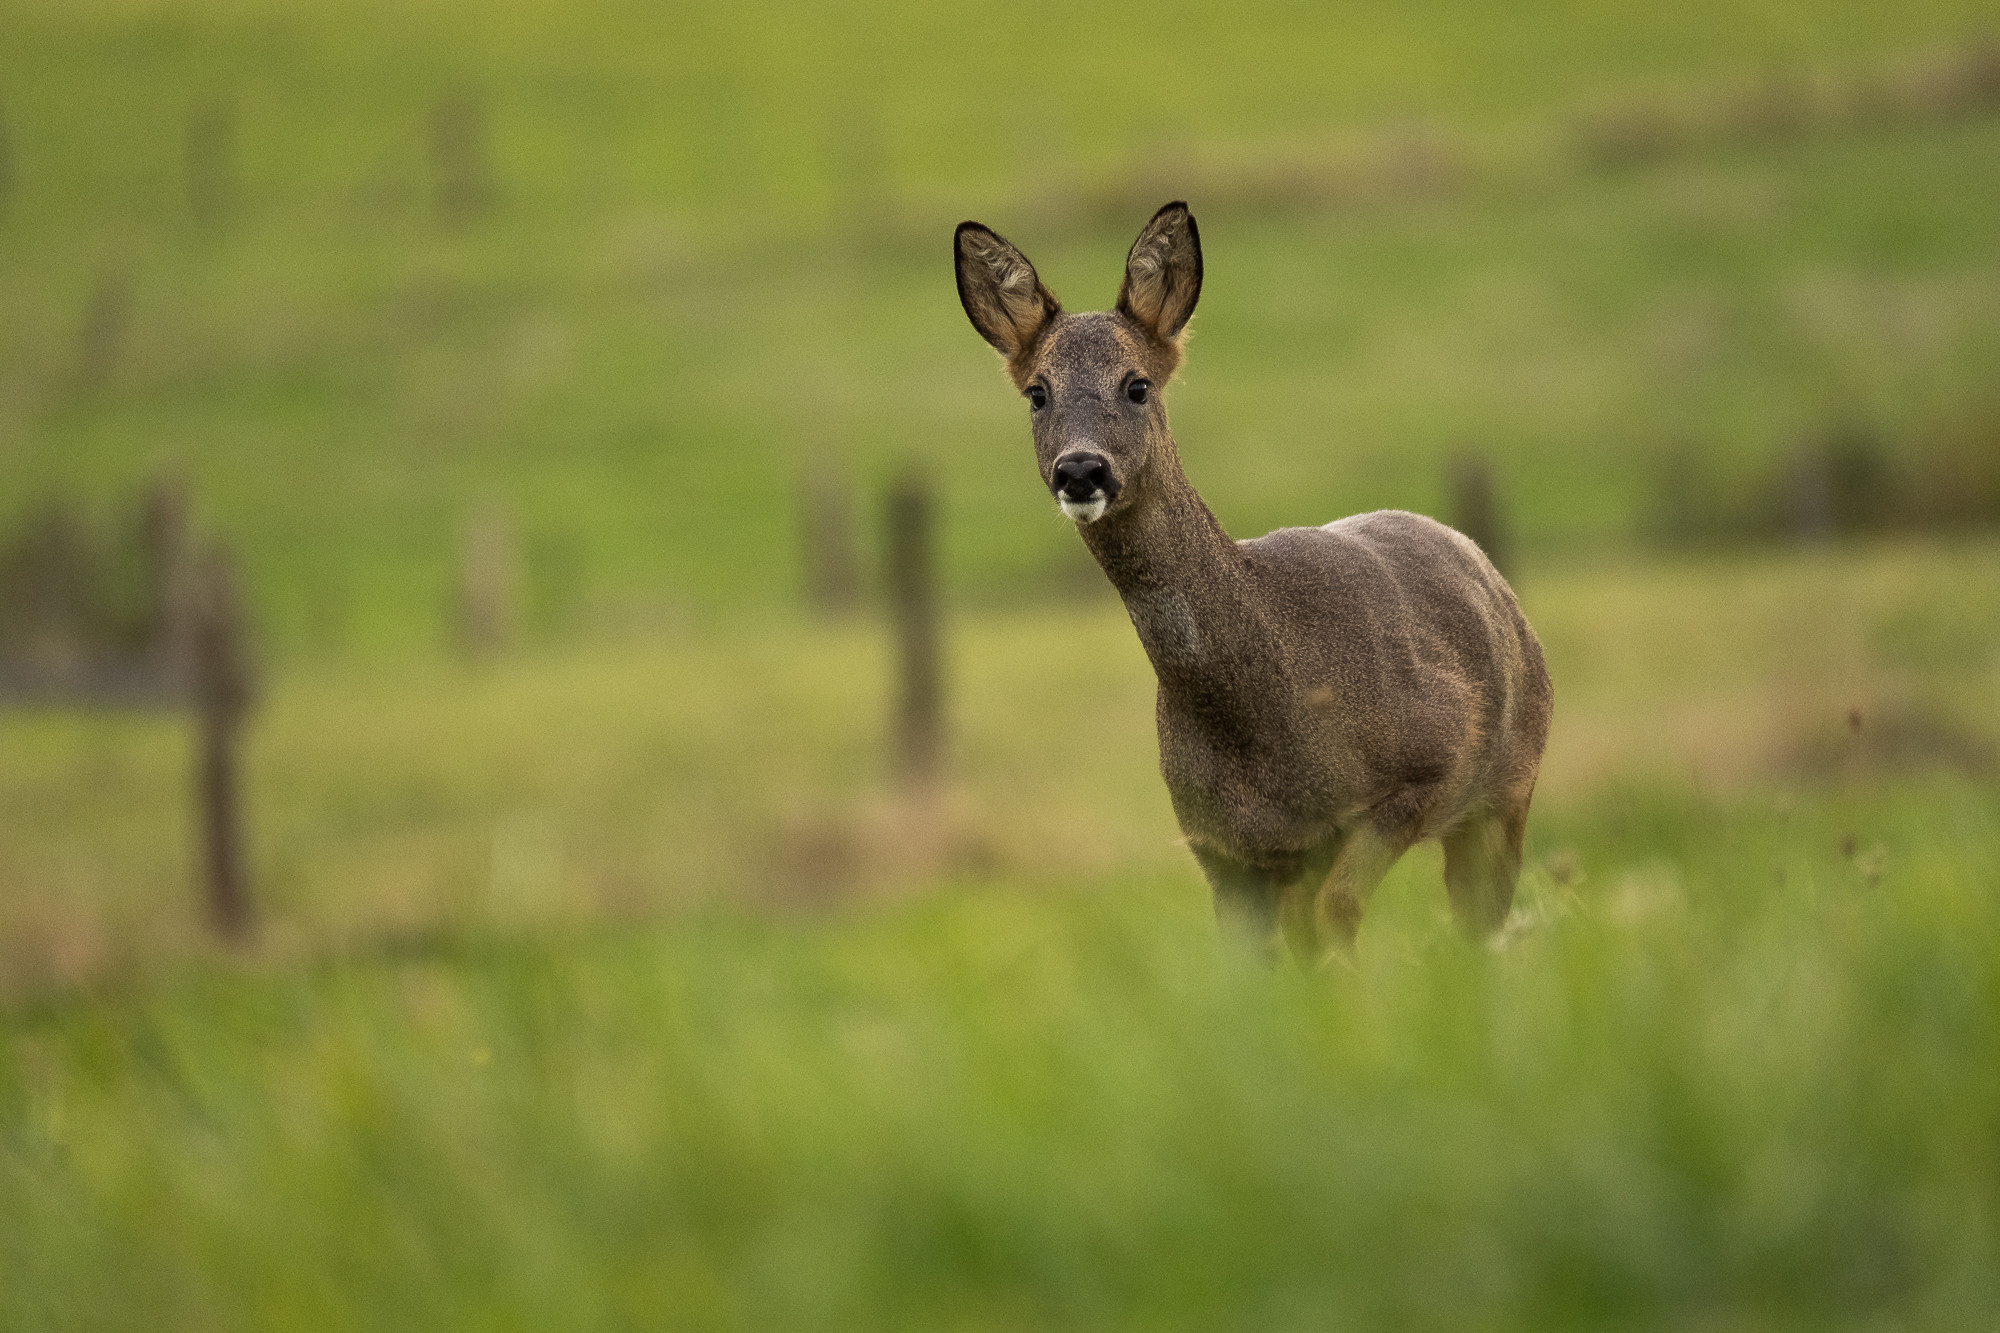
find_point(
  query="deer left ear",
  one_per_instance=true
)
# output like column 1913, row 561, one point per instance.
column 1163, row 274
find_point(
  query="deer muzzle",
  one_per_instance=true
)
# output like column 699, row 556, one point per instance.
column 1083, row 485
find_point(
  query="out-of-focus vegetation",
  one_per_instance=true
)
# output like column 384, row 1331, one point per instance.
column 635, row 779
column 621, row 273
column 607, row 977
column 1740, row 1083
column 588, row 1001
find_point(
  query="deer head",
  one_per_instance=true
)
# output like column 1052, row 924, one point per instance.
column 1093, row 381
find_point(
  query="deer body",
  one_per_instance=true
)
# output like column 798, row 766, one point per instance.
column 1328, row 696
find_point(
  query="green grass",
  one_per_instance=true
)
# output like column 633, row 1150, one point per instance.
column 1727, row 1080
column 611, row 982
column 718, row 253
column 607, row 987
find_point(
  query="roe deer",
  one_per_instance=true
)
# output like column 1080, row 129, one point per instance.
column 1328, row 697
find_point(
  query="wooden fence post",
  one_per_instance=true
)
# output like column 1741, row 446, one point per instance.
column 164, row 526
column 489, row 584
column 221, row 690
column 70, row 634
column 456, row 130
column 6, row 164
column 1476, row 510
column 101, row 340
column 211, row 162
column 913, row 604
column 829, row 565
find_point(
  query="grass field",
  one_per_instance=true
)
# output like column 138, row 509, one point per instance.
column 589, row 1004
column 607, row 978
column 657, row 774
column 1730, row 1080
column 715, row 256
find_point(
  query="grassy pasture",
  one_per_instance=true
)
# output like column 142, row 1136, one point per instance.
column 1727, row 1079
column 611, row 982
column 1734, row 1067
column 663, row 773
column 716, row 252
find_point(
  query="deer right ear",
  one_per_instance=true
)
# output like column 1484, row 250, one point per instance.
column 1001, row 293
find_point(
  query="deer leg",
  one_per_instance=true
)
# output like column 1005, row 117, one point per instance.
column 1364, row 856
column 1482, row 862
column 1246, row 901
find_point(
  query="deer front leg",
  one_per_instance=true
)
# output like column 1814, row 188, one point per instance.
column 1247, row 900
column 1364, row 856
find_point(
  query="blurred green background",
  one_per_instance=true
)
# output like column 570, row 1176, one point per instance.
column 544, row 366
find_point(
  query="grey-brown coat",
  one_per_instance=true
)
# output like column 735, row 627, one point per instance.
column 1328, row 697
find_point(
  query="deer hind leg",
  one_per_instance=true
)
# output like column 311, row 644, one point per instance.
column 1482, row 862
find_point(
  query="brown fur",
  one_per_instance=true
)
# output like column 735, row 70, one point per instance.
column 1328, row 697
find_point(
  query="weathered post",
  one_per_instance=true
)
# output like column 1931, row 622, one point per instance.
column 101, row 340
column 1806, row 498
column 913, row 604
column 164, row 523
column 211, row 162
column 67, row 635
column 45, row 588
column 221, row 689
column 6, row 164
column 828, row 562
column 1476, row 511
column 489, row 584
column 456, row 129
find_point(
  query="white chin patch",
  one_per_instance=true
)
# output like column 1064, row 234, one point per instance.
column 1083, row 511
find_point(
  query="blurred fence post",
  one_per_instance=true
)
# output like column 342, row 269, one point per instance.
column 489, row 584
column 46, row 575
column 6, row 164
column 102, row 338
column 211, row 162
column 919, row 736
column 829, row 564
column 170, row 591
column 221, row 690
column 80, row 625
column 1806, row 498
column 1476, row 510
column 456, row 131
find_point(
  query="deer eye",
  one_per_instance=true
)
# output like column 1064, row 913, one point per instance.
column 1137, row 389
column 1038, row 397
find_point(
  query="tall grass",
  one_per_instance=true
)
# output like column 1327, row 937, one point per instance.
column 610, row 981
column 1724, row 1079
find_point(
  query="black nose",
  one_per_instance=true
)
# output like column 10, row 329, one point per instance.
column 1080, row 476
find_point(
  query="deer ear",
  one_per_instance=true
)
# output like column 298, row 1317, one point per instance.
column 1163, row 274
column 1001, row 293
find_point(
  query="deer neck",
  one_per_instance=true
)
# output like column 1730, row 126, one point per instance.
column 1185, row 584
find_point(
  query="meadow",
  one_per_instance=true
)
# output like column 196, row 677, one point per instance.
column 609, row 977
column 1746, row 1086
column 671, row 292
column 579, row 1003
column 630, row 780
